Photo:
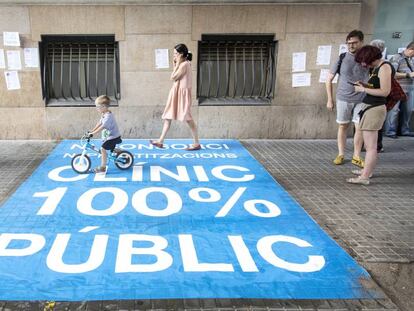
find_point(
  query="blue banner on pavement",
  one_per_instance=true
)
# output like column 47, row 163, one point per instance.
column 178, row 224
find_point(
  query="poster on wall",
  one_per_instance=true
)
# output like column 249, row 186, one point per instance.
column 323, row 76
column 298, row 62
column 301, row 79
column 31, row 57
column 11, row 39
column 13, row 60
column 342, row 49
column 324, row 55
column 161, row 59
column 12, row 80
column 2, row 61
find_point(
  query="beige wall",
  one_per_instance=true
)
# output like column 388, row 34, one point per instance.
column 294, row 113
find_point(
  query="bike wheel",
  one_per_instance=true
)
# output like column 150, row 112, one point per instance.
column 124, row 160
column 81, row 163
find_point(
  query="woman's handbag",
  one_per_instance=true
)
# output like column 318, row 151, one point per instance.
column 396, row 94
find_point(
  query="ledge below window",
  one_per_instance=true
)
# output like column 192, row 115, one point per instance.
column 234, row 101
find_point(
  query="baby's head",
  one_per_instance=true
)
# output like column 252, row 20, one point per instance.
column 102, row 103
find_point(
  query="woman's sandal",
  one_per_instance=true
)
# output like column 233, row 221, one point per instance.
column 193, row 148
column 358, row 181
column 359, row 172
column 99, row 169
column 157, row 144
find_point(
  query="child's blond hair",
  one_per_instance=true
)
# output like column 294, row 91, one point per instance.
column 103, row 100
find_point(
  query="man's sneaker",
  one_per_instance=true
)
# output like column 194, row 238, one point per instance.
column 358, row 162
column 339, row 159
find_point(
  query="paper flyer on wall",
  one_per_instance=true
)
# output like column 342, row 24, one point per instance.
column 12, row 80
column 161, row 59
column 299, row 62
column 31, row 57
column 11, row 39
column 301, row 79
column 324, row 55
column 343, row 48
column 13, row 60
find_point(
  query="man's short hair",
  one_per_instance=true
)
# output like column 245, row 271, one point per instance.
column 355, row 33
column 103, row 100
column 410, row 45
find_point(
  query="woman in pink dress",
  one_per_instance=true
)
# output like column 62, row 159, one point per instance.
column 178, row 105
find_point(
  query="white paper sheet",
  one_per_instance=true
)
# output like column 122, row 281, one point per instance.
column 323, row 75
column 343, row 48
column 324, row 55
column 31, row 57
column 2, row 60
column 298, row 62
column 12, row 80
column 384, row 54
column 13, row 60
column 301, row 79
column 161, row 59
column 11, row 39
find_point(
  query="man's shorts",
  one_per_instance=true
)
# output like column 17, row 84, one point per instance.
column 111, row 143
column 347, row 112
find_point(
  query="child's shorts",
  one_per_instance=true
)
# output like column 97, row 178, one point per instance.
column 111, row 143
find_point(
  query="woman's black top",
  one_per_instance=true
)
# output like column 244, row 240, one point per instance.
column 374, row 83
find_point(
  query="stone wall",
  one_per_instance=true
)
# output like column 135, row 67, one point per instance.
column 294, row 112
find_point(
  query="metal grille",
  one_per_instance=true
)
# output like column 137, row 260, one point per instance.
column 236, row 69
column 77, row 69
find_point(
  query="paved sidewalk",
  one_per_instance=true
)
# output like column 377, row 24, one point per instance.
column 375, row 223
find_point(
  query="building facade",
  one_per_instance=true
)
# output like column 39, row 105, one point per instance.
column 242, row 83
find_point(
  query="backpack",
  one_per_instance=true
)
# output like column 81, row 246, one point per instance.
column 341, row 58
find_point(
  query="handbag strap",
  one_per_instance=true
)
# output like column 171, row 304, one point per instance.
column 408, row 64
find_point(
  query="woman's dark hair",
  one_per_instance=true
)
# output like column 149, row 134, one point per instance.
column 182, row 49
column 368, row 54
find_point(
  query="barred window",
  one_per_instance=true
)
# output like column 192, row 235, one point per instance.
column 236, row 69
column 77, row 69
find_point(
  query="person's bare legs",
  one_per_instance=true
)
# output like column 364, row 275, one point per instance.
column 358, row 141
column 165, row 128
column 104, row 158
column 370, row 141
column 342, row 131
column 194, row 132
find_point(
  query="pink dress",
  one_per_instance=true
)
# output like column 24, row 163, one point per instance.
column 178, row 105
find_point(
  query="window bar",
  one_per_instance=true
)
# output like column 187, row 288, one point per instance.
column 88, row 74
column 61, row 72
column 227, row 73
column 79, row 72
column 271, row 61
column 267, row 70
column 218, row 70
column 209, row 65
column 45, row 65
column 273, row 70
column 114, row 76
column 53, row 73
column 106, row 69
column 251, row 93
column 96, row 70
column 200, row 77
column 235, row 70
column 70, row 71
column 244, row 70
column 261, row 71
